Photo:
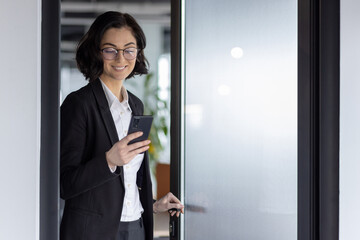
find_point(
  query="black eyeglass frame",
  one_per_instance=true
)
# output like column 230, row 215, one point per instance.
column 123, row 52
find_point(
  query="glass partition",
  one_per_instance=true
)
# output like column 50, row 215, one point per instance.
column 240, row 144
column 349, row 120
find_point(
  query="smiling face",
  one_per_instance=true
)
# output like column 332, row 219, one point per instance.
column 119, row 68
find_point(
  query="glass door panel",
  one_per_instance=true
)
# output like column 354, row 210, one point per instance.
column 240, row 160
column 349, row 121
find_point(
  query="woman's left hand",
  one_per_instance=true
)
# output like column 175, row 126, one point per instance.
column 168, row 202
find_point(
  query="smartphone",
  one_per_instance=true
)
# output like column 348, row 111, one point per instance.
column 140, row 124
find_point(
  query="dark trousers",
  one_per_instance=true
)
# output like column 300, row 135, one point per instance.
column 131, row 230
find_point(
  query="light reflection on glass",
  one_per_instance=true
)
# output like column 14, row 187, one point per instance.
column 224, row 90
column 237, row 52
column 194, row 114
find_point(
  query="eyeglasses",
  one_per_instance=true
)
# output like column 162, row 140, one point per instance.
column 112, row 53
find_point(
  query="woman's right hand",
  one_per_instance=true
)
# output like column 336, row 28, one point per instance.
column 121, row 153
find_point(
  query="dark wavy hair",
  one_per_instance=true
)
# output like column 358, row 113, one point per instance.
column 88, row 56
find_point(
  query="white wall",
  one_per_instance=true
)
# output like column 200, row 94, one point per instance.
column 20, row 119
column 350, row 121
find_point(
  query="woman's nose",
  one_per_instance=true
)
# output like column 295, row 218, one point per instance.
column 120, row 56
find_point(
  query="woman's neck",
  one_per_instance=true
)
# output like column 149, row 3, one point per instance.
column 115, row 87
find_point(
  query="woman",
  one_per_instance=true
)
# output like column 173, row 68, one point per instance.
column 106, row 182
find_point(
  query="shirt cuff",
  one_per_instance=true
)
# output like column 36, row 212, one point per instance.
column 112, row 169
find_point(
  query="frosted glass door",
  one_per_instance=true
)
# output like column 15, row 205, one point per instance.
column 349, row 121
column 240, row 174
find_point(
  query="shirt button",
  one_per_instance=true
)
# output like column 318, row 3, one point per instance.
column 125, row 132
column 128, row 203
column 129, row 185
column 121, row 113
column 127, row 167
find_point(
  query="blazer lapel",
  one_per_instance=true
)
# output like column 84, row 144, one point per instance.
column 105, row 111
column 134, row 107
column 106, row 116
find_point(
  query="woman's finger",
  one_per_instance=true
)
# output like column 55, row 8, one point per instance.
column 138, row 145
column 130, row 156
column 140, row 150
column 131, row 137
column 177, row 206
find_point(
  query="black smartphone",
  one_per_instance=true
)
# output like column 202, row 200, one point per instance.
column 140, row 124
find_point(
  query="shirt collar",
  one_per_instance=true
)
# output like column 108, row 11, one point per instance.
column 111, row 98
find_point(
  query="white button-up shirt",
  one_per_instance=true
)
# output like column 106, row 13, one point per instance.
column 121, row 113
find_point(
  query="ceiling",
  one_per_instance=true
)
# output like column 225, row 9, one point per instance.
column 77, row 16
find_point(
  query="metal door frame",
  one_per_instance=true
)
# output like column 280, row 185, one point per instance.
column 50, row 128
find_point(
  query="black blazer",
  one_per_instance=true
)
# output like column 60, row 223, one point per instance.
column 93, row 195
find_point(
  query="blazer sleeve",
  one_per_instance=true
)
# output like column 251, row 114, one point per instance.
column 78, row 175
